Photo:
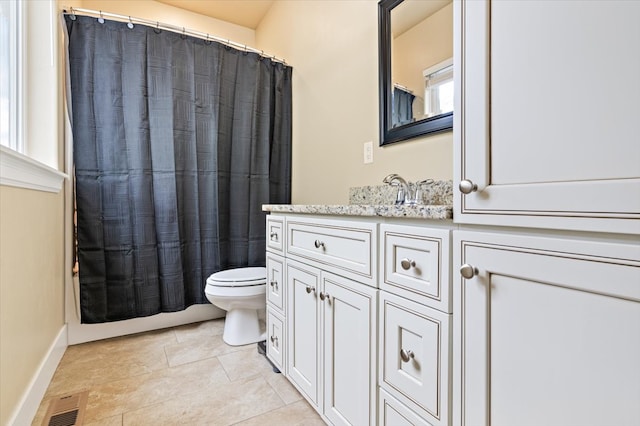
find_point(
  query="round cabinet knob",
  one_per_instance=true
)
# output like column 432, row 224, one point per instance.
column 274, row 236
column 467, row 187
column 319, row 244
column 310, row 289
column 468, row 271
column 324, row 296
column 407, row 264
column 406, row 355
column 273, row 284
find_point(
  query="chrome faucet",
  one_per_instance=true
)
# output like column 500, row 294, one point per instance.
column 404, row 190
column 408, row 193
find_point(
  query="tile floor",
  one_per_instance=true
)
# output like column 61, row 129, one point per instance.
column 179, row 376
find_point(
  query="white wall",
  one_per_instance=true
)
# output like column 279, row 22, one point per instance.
column 333, row 48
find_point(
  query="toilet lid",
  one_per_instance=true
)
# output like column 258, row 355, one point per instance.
column 239, row 277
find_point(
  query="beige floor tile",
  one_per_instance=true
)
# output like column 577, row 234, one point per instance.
column 195, row 350
column 120, row 396
column 297, row 414
column 283, row 387
column 109, row 421
column 102, row 367
column 244, row 364
column 199, row 330
column 214, row 405
column 183, row 376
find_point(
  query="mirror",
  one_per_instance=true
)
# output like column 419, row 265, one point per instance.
column 415, row 68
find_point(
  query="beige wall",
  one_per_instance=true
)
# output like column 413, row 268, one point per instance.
column 31, row 287
column 333, row 48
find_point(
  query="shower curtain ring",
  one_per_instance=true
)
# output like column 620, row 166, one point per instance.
column 130, row 24
column 101, row 18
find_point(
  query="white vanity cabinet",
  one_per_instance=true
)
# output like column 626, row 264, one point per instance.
column 331, row 319
column 368, row 317
column 548, row 331
column 546, row 130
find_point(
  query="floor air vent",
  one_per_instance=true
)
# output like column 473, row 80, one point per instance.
column 66, row 410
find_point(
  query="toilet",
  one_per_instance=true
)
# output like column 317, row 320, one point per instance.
column 241, row 292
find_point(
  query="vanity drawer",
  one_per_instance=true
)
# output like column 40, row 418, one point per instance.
column 275, row 234
column 275, row 281
column 415, row 264
column 275, row 339
column 414, row 364
column 343, row 247
column 393, row 413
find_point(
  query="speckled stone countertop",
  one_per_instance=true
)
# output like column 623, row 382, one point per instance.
column 418, row 211
column 437, row 199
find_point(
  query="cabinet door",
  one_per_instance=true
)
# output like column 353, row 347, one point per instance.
column 349, row 351
column 547, row 332
column 548, row 109
column 303, row 329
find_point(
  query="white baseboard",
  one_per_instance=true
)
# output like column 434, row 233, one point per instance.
column 30, row 401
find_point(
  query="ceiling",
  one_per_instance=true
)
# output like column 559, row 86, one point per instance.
column 411, row 12
column 247, row 13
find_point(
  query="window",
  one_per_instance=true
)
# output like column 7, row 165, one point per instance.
column 438, row 92
column 10, row 58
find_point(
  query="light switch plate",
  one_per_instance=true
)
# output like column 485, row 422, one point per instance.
column 368, row 152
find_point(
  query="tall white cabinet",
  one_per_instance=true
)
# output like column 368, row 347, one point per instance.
column 547, row 131
column 547, row 197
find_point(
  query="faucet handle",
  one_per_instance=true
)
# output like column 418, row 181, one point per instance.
column 419, row 188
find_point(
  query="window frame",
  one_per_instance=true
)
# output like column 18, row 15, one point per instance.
column 15, row 90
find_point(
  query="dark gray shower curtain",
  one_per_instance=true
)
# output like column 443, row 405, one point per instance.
column 402, row 107
column 177, row 143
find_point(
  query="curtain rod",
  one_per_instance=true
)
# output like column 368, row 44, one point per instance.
column 401, row 87
column 173, row 28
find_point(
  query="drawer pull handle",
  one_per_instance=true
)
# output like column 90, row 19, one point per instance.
column 406, row 356
column 468, row 271
column 407, row 264
column 274, row 236
column 310, row 289
column 324, row 296
column 319, row 244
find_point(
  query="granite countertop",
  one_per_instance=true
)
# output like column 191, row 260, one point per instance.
column 435, row 202
column 418, row 211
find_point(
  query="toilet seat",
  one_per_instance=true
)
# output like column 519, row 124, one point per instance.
column 239, row 277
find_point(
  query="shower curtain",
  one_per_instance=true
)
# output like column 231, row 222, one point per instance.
column 402, row 107
column 177, row 143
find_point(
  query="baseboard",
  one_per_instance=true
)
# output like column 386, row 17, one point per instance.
column 30, row 401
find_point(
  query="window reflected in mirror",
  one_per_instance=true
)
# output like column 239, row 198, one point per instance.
column 438, row 89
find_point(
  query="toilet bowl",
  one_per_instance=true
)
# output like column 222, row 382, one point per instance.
column 241, row 292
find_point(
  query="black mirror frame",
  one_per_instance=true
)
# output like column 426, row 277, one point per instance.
column 388, row 134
